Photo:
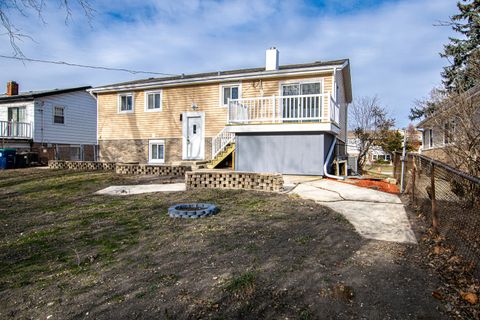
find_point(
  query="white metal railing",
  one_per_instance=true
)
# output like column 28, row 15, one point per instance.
column 279, row 109
column 14, row 129
column 221, row 140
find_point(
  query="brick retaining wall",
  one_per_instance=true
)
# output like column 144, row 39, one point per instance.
column 223, row 179
column 159, row 170
column 81, row 165
column 121, row 168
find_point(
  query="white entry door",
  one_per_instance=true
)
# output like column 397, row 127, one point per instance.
column 194, row 137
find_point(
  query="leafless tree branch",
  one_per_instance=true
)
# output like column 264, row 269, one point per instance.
column 24, row 8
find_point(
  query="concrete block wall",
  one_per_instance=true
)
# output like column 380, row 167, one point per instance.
column 224, row 179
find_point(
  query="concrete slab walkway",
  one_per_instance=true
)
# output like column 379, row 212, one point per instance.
column 142, row 188
column 374, row 214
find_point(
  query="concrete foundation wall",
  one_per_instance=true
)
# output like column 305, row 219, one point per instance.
column 288, row 153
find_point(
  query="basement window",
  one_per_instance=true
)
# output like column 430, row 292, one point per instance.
column 156, row 151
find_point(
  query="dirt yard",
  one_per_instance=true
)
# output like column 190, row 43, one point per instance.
column 68, row 254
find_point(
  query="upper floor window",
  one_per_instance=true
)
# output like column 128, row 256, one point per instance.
column 125, row 102
column 153, row 101
column 302, row 88
column 230, row 92
column 448, row 131
column 59, row 115
column 430, row 138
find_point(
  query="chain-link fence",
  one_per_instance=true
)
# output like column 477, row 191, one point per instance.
column 449, row 199
column 76, row 152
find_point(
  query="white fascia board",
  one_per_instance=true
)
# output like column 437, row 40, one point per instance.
column 229, row 77
column 300, row 127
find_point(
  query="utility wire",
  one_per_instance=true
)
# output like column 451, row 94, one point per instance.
column 85, row 66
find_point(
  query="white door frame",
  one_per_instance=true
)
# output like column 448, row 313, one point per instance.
column 185, row 116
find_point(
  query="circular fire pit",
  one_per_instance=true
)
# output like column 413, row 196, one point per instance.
column 192, row 210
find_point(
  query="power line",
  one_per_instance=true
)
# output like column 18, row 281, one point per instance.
column 85, row 66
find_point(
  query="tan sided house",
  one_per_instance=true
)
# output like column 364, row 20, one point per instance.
column 273, row 119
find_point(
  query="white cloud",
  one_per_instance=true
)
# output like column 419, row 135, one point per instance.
column 393, row 47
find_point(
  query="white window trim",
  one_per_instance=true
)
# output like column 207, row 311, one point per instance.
column 64, row 116
column 152, row 142
column 146, row 100
column 224, row 85
column 301, row 81
column 119, row 102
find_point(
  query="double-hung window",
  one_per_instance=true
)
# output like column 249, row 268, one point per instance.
column 448, row 131
column 153, row 101
column 156, row 151
column 58, row 115
column 430, row 138
column 230, row 92
column 125, row 102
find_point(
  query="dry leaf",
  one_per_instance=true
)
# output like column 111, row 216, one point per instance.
column 437, row 295
column 438, row 250
column 470, row 297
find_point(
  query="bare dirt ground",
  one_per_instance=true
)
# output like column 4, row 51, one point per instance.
column 68, row 254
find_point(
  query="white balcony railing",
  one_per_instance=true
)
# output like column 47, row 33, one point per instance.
column 16, row 130
column 283, row 109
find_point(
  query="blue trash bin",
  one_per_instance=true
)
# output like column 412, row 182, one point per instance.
column 7, row 158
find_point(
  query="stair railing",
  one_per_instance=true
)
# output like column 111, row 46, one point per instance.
column 221, row 141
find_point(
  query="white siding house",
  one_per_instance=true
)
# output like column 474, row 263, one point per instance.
column 58, row 124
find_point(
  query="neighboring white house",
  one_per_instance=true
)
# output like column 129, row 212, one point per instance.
column 58, row 123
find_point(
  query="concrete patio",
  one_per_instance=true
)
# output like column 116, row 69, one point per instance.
column 374, row 214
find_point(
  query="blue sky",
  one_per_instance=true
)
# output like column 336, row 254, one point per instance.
column 392, row 45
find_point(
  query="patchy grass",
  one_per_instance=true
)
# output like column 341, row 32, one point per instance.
column 243, row 284
column 66, row 252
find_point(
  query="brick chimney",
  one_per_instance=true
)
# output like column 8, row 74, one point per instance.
column 12, row 88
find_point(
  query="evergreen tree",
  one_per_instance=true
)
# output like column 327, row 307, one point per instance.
column 463, row 53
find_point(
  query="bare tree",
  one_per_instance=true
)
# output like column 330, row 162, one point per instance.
column 456, row 118
column 459, row 124
column 36, row 7
column 370, row 124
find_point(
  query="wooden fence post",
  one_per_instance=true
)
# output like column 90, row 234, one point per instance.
column 434, row 200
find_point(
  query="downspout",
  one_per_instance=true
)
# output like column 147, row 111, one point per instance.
column 325, row 165
column 96, row 147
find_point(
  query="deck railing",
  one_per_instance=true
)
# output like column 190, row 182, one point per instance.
column 220, row 141
column 14, row 129
column 283, row 109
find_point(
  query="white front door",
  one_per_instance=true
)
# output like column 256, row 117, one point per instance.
column 194, row 137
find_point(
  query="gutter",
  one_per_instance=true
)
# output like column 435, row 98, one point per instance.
column 209, row 79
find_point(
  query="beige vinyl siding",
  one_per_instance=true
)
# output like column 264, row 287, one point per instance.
column 175, row 100
column 166, row 123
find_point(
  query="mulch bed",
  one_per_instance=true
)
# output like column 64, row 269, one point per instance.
column 374, row 184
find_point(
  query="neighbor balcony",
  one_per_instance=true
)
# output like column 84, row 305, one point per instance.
column 311, row 112
column 15, row 130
